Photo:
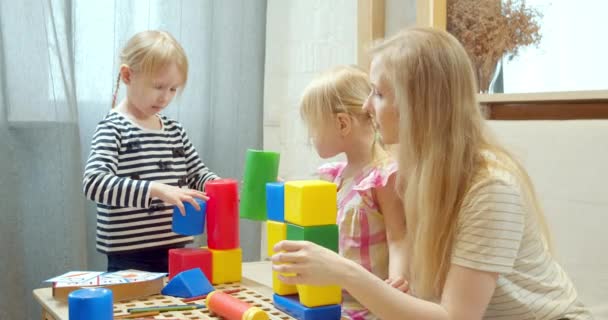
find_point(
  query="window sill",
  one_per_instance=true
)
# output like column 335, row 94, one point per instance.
column 573, row 105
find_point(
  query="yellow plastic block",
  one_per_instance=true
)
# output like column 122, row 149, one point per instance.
column 227, row 265
column 277, row 231
column 311, row 203
column 281, row 288
column 315, row 296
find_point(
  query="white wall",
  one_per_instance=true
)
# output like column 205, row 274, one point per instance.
column 303, row 38
column 568, row 161
column 398, row 15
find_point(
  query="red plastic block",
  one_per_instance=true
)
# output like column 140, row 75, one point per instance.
column 183, row 259
column 222, row 214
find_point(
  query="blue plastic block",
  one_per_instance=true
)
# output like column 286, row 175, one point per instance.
column 188, row 284
column 291, row 305
column 90, row 304
column 275, row 201
column 193, row 223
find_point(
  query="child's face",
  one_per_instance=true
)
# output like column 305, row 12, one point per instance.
column 150, row 94
column 327, row 140
column 381, row 104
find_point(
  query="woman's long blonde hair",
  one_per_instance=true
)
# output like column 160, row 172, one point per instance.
column 342, row 89
column 442, row 139
column 151, row 51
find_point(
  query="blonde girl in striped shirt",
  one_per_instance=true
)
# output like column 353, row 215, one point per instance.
column 142, row 163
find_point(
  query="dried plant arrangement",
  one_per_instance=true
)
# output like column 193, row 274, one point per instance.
column 492, row 29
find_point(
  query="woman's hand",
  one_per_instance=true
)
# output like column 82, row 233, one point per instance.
column 399, row 283
column 308, row 263
column 177, row 196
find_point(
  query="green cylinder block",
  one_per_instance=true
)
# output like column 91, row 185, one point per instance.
column 260, row 167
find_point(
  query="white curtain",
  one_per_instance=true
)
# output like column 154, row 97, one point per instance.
column 58, row 65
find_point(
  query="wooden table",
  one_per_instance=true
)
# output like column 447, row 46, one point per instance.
column 257, row 276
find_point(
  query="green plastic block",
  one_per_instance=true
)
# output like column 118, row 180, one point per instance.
column 326, row 236
column 261, row 167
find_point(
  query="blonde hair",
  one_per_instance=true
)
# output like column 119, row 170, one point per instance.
column 343, row 89
column 442, row 142
column 151, row 51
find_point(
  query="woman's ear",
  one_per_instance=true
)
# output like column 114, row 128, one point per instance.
column 344, row 123
column 125, row 74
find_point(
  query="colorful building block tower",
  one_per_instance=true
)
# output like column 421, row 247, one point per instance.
column 221, row 261
column 298, row 210
column 304, row 210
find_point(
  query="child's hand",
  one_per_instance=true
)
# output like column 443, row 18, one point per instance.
column 399, row 283
column 177, row 196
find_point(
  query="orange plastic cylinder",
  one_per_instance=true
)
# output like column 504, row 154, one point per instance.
column 232, row 308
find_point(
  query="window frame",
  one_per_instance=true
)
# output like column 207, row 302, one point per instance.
column 565, row 105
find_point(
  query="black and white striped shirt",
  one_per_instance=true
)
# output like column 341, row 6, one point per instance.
column 125, row 158
column 499, row 232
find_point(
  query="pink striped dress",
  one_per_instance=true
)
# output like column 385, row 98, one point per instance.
column 362, row 231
